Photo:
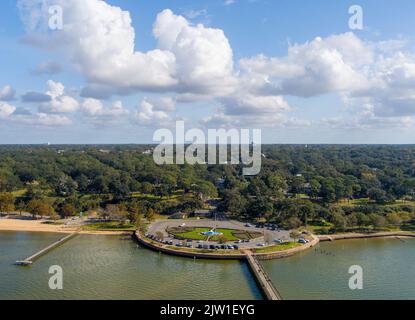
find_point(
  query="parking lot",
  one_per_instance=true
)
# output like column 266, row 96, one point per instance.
column 267, row 238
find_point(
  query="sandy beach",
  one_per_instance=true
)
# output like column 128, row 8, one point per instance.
column 40, row 226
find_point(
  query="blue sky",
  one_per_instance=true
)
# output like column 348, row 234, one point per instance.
column 292, row 68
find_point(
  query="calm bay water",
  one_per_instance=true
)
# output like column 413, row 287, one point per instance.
column 322, row 273
column 107, row 267
column 110, row 267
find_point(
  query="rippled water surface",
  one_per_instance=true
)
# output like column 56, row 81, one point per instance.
column 110, row 267
column 322, row 273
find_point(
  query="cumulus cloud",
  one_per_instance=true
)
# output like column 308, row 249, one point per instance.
column 95, row 108
column 6, row 110
column 333, row 64
column 195, row 62
column 167, row 104
column 7, row 93
column 100, row 40
column 42, row 119
column 259, row 121
column 146, row 115
column 59, row 102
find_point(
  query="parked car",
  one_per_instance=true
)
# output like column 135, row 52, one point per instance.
column 279, row 241
column 261, row 245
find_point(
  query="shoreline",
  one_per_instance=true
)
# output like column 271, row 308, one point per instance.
column 241, row 255
column 15, row 225
column 354, row 236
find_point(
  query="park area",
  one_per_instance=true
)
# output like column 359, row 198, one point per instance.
column 197, row 233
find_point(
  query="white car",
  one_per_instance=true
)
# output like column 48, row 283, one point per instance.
column 279, row 241
column 182, row 225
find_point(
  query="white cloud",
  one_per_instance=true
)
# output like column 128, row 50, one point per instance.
column 204, row 57
column 147, row 116
column 92, row 107
column 258, row 121
column 7, row 93
column 42, row 119
column 59, row 102
column 167, row 104
column 95, row 108
column 251, row 104
column 100, row 40
column 333, row 64
column 6, row 110
column 376, row 80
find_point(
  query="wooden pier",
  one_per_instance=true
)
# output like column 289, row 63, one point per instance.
column 265, row 283
column 29, row 261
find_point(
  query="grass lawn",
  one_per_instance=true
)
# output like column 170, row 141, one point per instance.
column 279, row 247
column 108, row 226
column 196, row 234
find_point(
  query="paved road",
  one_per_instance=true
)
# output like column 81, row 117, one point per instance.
column 268, row 235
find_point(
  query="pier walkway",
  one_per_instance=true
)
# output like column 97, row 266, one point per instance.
column 262, row 278
column 29, row 261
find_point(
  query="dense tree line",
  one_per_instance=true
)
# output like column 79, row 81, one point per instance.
column 297, row 184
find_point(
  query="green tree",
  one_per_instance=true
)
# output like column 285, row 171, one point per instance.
column 295, row 235
column 150, row 215
column 378, row 221
column 68, row 210
column 7, row 202
column 39, row 208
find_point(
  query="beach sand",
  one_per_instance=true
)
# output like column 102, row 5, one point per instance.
column 40, row 226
